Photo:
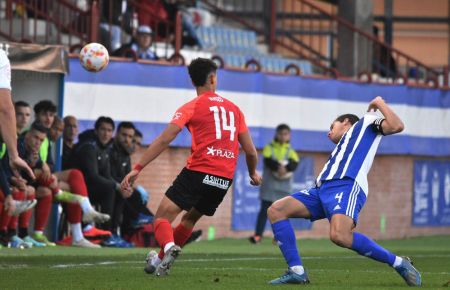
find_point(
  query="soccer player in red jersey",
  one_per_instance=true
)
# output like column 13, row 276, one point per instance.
column 217, row 127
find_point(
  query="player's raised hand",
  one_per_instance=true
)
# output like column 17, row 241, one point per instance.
column 17, row 164
column 374, row 105
column 128, row 180
column 255, row 179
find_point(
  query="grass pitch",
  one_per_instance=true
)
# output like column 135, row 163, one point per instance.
column 221, row 264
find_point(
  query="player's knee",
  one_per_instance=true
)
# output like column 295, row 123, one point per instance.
column 275, row 212
column 340, row 238
column 75, row 173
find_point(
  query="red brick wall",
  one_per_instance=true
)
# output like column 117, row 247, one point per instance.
column 390, row 194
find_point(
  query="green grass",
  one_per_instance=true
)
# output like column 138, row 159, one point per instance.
column 221, row 264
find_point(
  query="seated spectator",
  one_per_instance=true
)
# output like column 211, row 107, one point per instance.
column 172, row 7
column 146, row 15
column 45, row 112
column 67, row 186
column 120, row 152
column 137, row 141
column 47, row 190
column 91, row 156
column 56, row 129
column 23, row 116
column 70, row 133
column 141, row 46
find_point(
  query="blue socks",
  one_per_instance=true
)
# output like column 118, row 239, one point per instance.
column 285, row 236
column 367, row 247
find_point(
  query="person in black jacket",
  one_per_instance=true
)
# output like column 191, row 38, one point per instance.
column 91, row 155
column 120, row 160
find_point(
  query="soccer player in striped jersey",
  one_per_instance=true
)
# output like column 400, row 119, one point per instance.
column 340, row 193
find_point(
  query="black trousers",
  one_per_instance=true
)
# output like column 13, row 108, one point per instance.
column 262, row 217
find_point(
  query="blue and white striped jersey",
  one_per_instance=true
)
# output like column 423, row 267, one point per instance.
column 354, row 154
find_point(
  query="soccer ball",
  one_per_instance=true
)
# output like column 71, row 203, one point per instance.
column 94, row 57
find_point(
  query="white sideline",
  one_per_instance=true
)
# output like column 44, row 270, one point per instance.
column 115, row 263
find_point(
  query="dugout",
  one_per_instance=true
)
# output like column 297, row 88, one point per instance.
column 37, row 73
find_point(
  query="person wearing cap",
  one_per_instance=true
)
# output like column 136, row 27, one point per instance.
column 141, row 45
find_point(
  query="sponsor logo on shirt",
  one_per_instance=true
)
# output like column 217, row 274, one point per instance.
column 177, row 116
column 216, row 181
column 216, row 99
column 218, row 152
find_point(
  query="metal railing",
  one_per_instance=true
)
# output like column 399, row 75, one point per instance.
column 302, row 29
column 62, row 22
column 49, row 22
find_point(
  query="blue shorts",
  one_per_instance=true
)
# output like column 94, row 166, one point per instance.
column 341, row 196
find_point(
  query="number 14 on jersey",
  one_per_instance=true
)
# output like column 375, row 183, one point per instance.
column 224, row 125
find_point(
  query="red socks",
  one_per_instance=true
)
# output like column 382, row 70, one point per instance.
column 180, row 235
column 17, row 195
column 42, row 212
column 8, row 221
column 163, row 232
column 77, row 186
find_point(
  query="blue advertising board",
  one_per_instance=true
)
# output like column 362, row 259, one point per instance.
column 431, row 205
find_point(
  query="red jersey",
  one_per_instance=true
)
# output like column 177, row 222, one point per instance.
column 214, row 123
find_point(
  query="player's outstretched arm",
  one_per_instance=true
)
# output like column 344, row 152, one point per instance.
column 392, row 123
column 8, row 122
column 9, row 133
column 251, row 157
column 158, row 145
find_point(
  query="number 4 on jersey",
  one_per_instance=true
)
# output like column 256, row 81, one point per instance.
column 338, row 196
column 225, row 126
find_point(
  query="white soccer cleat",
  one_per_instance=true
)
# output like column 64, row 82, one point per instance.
column 83, row 243
column 168, row 260
column 95, row 216
column 152, row 261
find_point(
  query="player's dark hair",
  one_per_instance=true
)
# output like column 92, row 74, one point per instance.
column 126, row 125
column 138, row 133
column 200, row 69
column 282, row 127
column 21, row 104
column 351, row 118
column 44, row 106
column 37, row 126
column 102, row 120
